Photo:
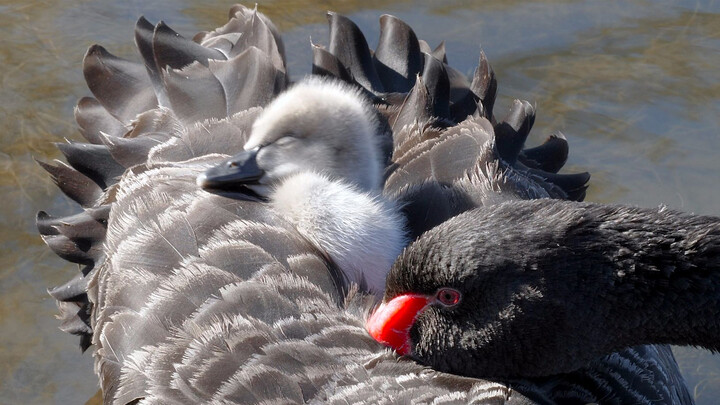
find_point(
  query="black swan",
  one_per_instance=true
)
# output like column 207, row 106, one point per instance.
column 195, row 297
column 565, row 284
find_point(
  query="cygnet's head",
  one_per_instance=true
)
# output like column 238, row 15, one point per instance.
column 318, row 125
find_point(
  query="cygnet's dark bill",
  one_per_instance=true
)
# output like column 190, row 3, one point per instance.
column 234, row 174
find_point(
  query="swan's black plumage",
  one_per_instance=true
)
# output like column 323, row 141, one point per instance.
column 567, row 283
column 193, row 297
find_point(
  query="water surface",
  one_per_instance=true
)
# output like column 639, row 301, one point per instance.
column 634, row 85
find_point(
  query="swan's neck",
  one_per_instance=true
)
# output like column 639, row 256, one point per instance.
column 362, row 232
column 664, row 285
column 612, row 278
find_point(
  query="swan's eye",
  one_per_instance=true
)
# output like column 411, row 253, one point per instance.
column 448, row 296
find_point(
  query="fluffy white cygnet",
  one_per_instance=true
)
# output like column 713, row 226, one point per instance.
column 314, row 153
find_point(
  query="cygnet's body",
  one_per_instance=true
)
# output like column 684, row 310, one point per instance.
column 314, row 154
column 361, row 231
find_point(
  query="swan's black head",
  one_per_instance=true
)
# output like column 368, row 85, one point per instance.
column 535, row 288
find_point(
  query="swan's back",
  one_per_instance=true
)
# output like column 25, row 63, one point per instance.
column 196, row 297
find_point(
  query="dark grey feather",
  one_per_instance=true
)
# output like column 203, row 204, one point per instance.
column 511, row 133
column 439, row 52
column 92, row 118
column 249, row 79
column 94, row 161
column 436, row 80
column 574, row 185
column 121, row 86
column 132, row 151
column 484, row 85
column 397, row 57
column 144, row 33
column 74, row 290
column 549, row 157
column 79, row 324
column 195, row 94
column 256, row 36
column 327, row 64
column 256, row 32
column 348, row 44
column 417, row 107
column 172, row 50
column 73, row 184
column 71, row 251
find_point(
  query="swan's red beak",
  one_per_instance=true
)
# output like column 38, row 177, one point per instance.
column 391, row 322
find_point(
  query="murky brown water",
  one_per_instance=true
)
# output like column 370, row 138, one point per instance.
column 635, row 86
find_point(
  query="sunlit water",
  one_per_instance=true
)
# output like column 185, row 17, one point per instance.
column 634, row 85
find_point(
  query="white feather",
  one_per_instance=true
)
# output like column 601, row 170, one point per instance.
column 362, row 232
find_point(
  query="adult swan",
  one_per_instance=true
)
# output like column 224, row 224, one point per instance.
column 195, row 297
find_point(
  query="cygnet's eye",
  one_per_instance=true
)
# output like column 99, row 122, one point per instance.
column 285, row 140
column 448, row 296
